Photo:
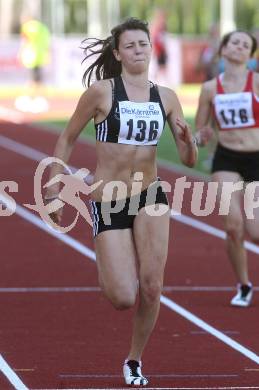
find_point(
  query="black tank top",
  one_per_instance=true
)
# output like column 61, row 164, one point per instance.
column 130, row 122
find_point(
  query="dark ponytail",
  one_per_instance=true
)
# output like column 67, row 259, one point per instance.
column 105, row 65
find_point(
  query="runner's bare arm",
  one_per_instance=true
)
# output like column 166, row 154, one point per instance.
column 181, row 131
column 86, row 109
column 202, row 120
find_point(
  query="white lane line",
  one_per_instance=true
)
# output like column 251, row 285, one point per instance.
column 76, row 289
column 24, row 150
column 201, row 332
column 151, row 375
column 31, row 218
column 166, row 301
column 167, row 388
column 251, row 369
column 11, row 375
column 10, row 115
column 210, row 329
column 202, row 288
column 204, row 227
column 48, row 289
column 36, row 155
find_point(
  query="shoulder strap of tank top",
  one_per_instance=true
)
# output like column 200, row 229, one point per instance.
column 219, row 85
column 155, row 97
column 112, row 86
column 120, row 91
column 249, row 82
column 154, row 94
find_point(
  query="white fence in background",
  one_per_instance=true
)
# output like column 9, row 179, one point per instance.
column 65, row 68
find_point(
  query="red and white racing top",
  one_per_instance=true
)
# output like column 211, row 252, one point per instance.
column 238, row 110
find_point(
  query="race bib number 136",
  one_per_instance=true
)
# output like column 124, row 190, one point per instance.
column 140, row 123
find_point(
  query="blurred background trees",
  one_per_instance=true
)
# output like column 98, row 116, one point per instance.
column 185, row 17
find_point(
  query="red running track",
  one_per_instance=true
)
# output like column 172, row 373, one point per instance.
column 57, row 331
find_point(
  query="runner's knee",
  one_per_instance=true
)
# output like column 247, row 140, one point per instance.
column 235, row 230
column 122, row 298
column 151, row 289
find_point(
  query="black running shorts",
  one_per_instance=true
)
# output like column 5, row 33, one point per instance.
column 104, row 219
column 244, row 163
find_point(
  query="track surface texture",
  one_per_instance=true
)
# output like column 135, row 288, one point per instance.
column 57, row 330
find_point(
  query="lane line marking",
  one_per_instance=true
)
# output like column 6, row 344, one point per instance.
column 151, row 375
column 11, row 375
column 204, row 227
column 10, row 290
column 202, row 288
column 201, row 332
column 24, row 369
column 167, row 388
column 36, row 155
column 31, row 218
column 24, row 150
column 188, row 220
column 210, row 329
column 7, row 113
column 251, row 369
column 48, row 289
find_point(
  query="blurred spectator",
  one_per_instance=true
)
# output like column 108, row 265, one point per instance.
column 253, row 63
column 34, row 54
column 158, row 37
column 209, row 61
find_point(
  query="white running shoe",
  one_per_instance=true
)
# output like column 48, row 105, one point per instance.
column 132, row 373
column 244, row 295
